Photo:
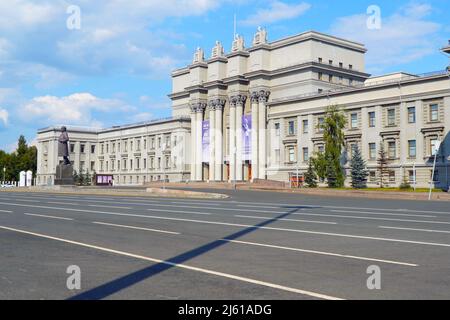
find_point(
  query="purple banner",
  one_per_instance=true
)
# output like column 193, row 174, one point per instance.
column 205, row 141
column 246, row 137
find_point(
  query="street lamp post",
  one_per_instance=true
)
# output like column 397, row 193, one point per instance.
column 164, row 166
column 436, row 152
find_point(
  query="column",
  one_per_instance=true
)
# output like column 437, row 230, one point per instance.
column 263, row 97
column 240, row 102
column 199, row 159
column 193, row 147
column 212, row 140
column 219, row 140
column 255, row 164
column 232, row 140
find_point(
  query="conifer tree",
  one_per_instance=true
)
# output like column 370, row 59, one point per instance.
column 358, row 170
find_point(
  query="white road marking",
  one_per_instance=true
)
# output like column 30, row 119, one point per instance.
column 183, row 266
column 133, row 227
column 111, row 207
column 64, row 203
column 386, row 214
column 284, row 219
column 251, row 206
column 46, row 216
column 413, row 229
column 238, row 225
column 184, row 212
column 209, row 204
column 6, row 211
column 322, row 253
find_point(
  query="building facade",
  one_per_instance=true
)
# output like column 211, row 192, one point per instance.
column 254, row 113
column 133, row 154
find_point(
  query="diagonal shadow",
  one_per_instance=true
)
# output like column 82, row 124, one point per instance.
column 129, row 280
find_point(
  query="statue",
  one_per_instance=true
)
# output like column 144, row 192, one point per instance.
column 260, row 37
column 238, row 43
column 63, row 146
column 218, row 50
column 199, row 55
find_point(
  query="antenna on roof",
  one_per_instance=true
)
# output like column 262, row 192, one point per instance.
column 234, row 34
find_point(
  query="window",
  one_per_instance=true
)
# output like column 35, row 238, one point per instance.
column 320, row 121
column 330, row 78
column 138, row 145
column 434, row 112
column 372, row 176
column 174, row 162
column 82, row 166
column 113, row 148
column 412, row 148
column 350, row 66
column 82, row 146
column 125, row 146
column 131, row 164
column 391, row 150
column 124, row 164
column 291, row 130
column 354, row 120
column 341, row 65
column 341, row 79
column 72, row 148
column 159, row 142
column 411, row 176
column 433, row 145
column 319, row 90
column 145, row 144
column 93, row 148
column 305, row 154
column 353, row 147
column 167, row 163
column 159, row 163
column 392, row 176
column 436, row 175
column 102, row 149
column 152, row 163
column 412, row 115
column 305, row 126
column 107, row 148
column 153, row 143
column 92, row 165
column 138, row 162
column 391, row 117
column 372, row 119
column 320, row 75
column 320, row 60
column 320, row 149
column 168, row 142
column 175, row 141
column 330, row 62
column 118, row 164
column 277, row 129
column 131, row 146
column 372, row 151
column 350, row 82
column 145, row 163
column 291, row 151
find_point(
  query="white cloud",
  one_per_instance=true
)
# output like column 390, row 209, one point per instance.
column 404, row 37
column 140, row 117
column 277, row 11
column 4, row 116
column 75, row 109
column 25, row 13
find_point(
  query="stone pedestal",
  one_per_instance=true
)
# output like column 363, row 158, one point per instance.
column 64, row 175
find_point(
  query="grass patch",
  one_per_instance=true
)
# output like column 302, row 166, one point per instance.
column 418, row 190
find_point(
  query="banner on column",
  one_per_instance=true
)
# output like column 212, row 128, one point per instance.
column 246, row 137
column 205, row 141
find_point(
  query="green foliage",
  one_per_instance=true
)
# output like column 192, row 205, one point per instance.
column 320, row 165
column 333, row 135
column 82, row 179
column 405, row 183
column 310, row 176
column 23, row 159
column 383, row 162
column 358, row 170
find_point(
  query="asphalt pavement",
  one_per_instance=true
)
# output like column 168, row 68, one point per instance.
column 254, row 245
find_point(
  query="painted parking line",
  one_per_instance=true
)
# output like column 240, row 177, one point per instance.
column 47, row 216
column 182, row 266
column 414, row 229
column 133, row 227
column 286, row 219
column 240, row 225
column 322, row 253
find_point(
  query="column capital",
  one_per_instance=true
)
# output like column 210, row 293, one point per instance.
column 254, row 96
column 238, row 99
column 216, row 104
column 264, row 95
column 197, row 107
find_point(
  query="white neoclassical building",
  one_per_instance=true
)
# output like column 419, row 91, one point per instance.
column 253, row 113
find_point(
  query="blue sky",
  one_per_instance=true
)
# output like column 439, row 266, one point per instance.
column 115, row 68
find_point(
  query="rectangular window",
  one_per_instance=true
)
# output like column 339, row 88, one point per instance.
column 412, row 115
column 321, row 149
column 138, row 162
column 305, row 126
column 168, row 142
column 320, row 60
column 145, row 144
column 341, row 65
column 411, row 176
column 434, row 112
column 392, row 176
column 412, row 148
column 372, row 119
column 153, row 143
column 145, row 163
column 433, row 145
column 320, row 124
column 372, row 176
column 391, row 149
column 391, row 117
column 291, row 154
column 330, row 62
column 159, row 142
column 350, row 66
column 320, row 75
column 167, row 162
column 305, row 155
column 436, row 175
column 330, row 78
column 291, row 131
column 350, row 82
column 82, row 146
column 372, row 151
column 354, row 120
column 92, row 166
column 277, row 129
column 72, row 148
column 93, row 148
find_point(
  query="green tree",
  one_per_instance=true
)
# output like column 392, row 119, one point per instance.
column 359, row 170
column 310, row 176
column 333, row 135
column 383, row 162
column 320, row 165
column 24, row 158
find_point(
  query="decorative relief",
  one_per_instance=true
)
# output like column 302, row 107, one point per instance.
column 218, row 50
column 199, row 55
column 238, row 44
column 260, row 37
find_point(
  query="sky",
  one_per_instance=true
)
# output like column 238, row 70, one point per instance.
column 108, row 62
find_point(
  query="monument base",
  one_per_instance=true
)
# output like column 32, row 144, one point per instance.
column 64, row 175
